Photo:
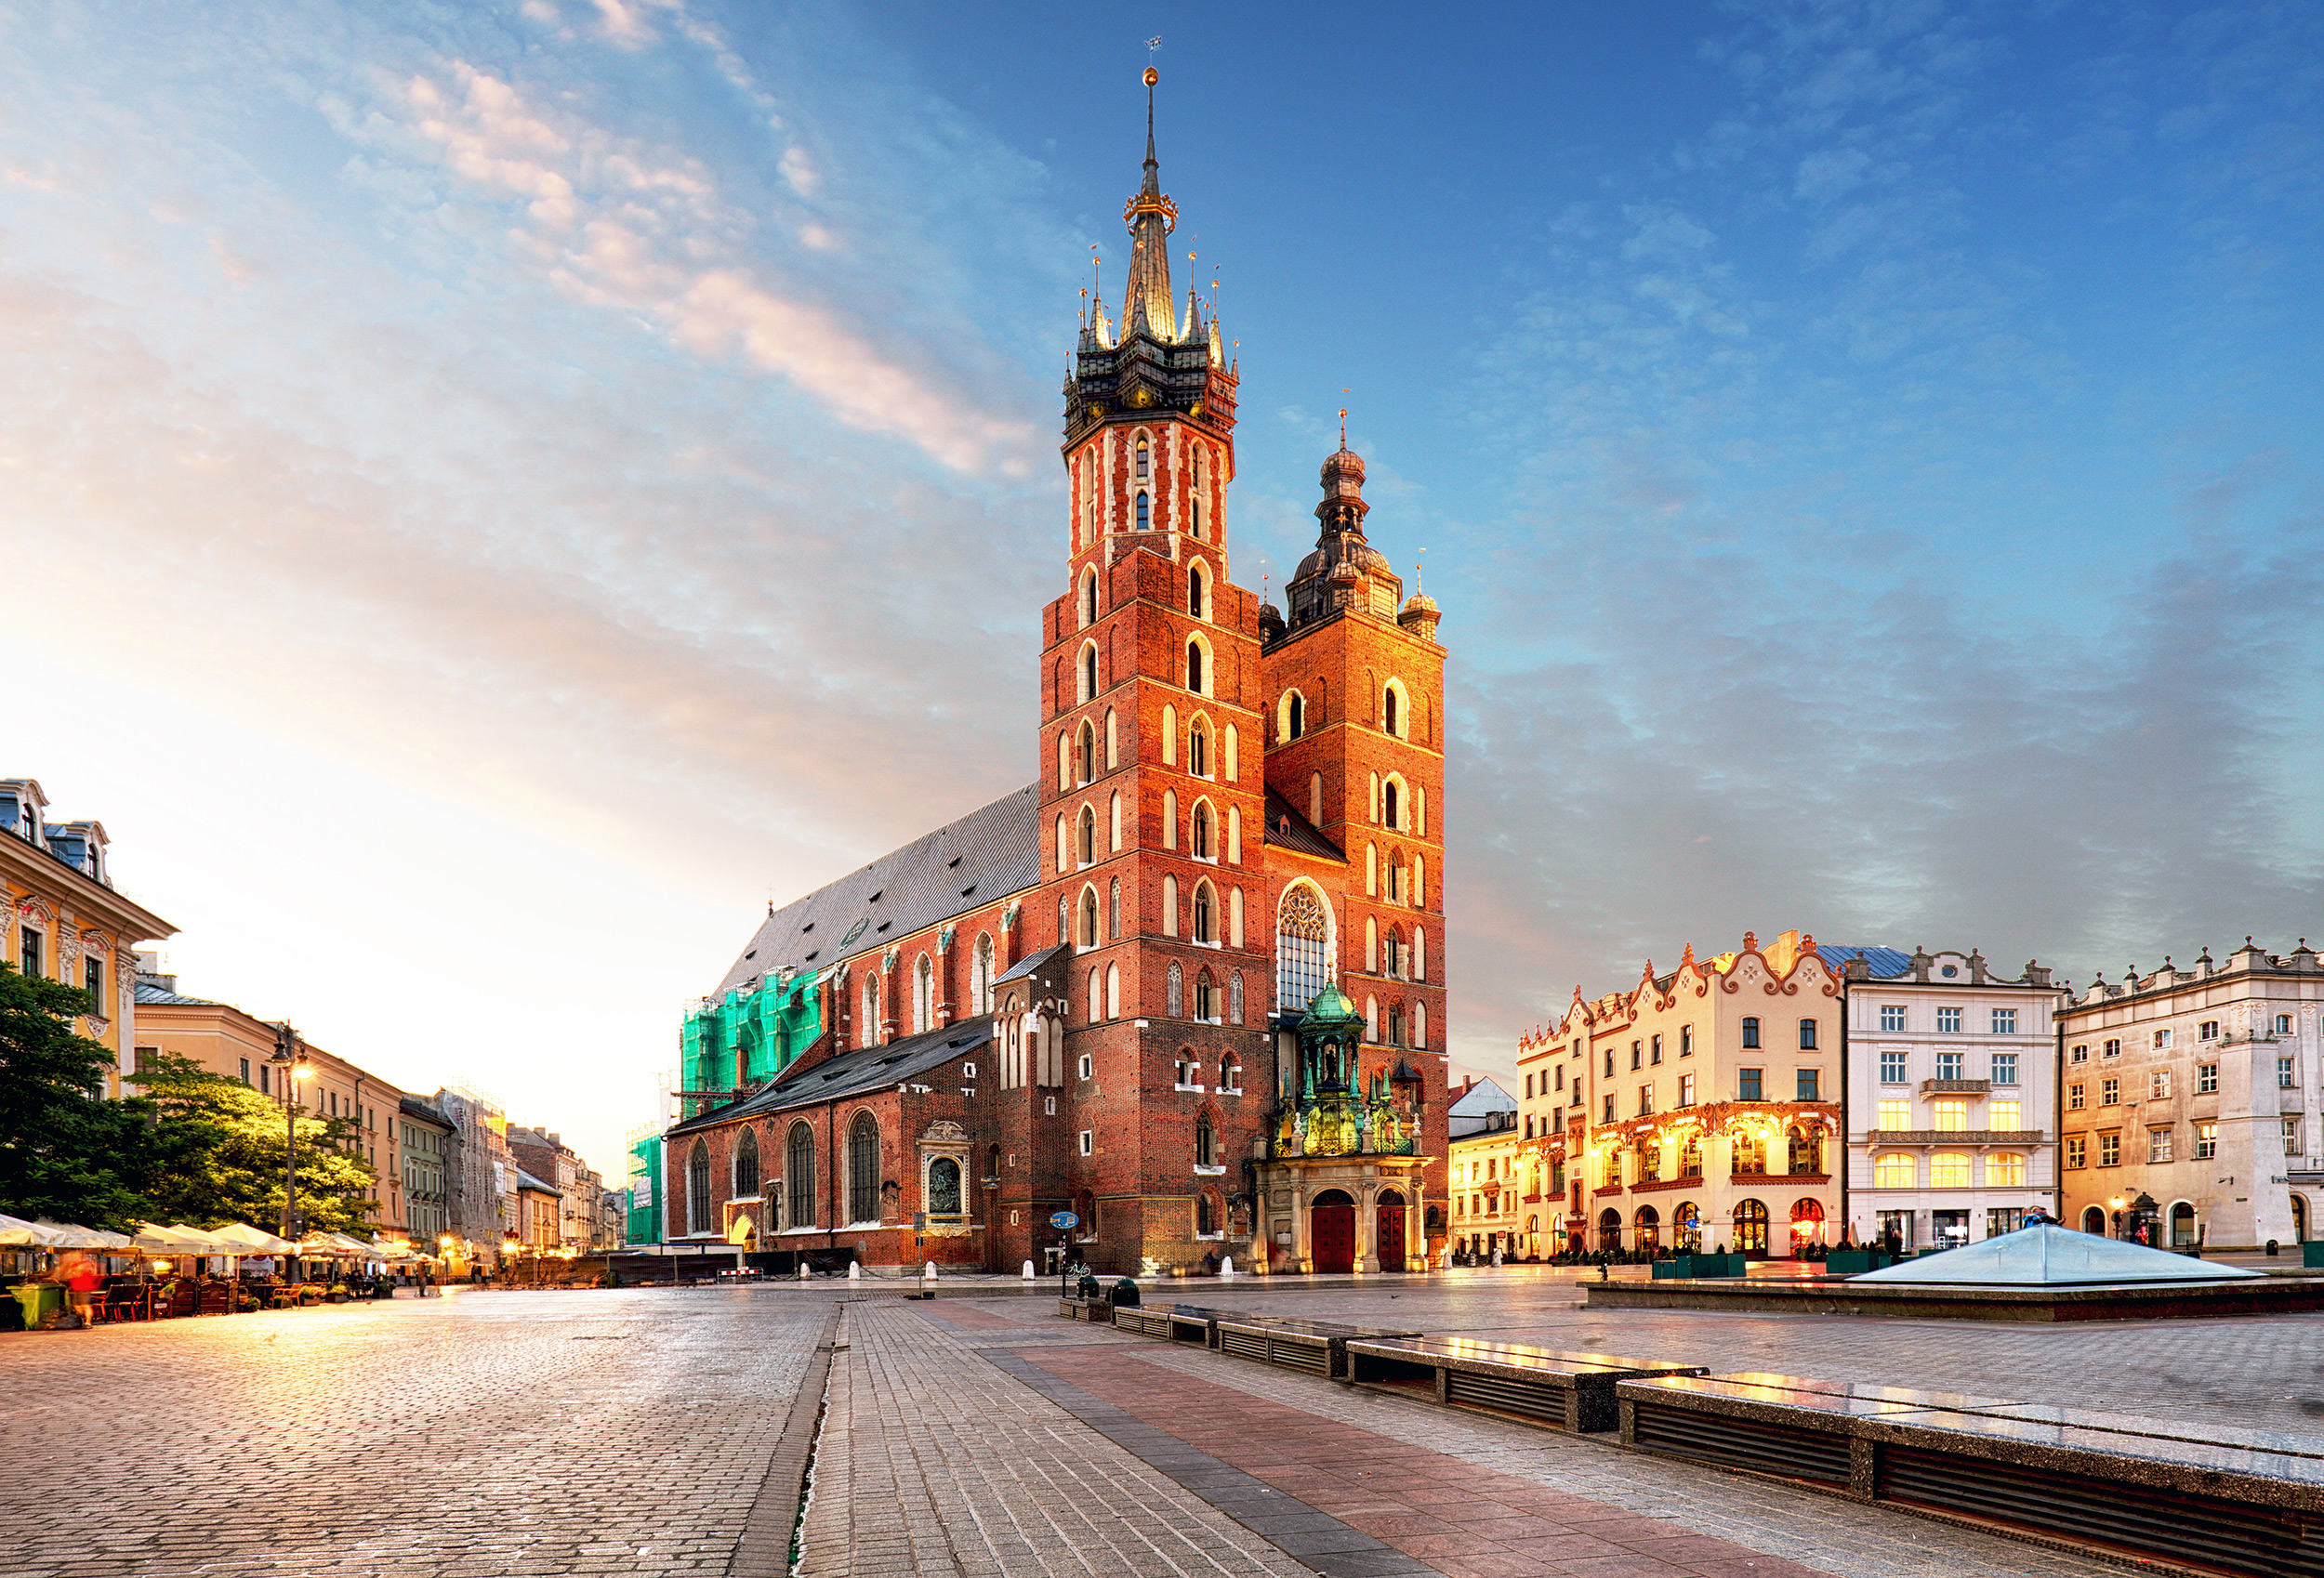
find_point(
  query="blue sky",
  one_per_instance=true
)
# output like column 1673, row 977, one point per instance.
column 493, row 494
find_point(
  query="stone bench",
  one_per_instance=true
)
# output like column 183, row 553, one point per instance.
column 1319, row 1348
column 1099, row 1311
column 1566, row 1391
column 2212, row 1498
column 1176, row 1323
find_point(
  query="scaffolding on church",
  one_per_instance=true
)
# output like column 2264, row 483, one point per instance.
column 643, row 1224
column 749, row 1034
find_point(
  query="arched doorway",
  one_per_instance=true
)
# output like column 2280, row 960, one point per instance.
column 1331, row 1231
column 2183, row 1226
column 744, row 1233
column 1388, row 1226
column 1807, row 1224
column 1750, row 1226
column 1648, row 1222
column 1687, row 1228
column 2095, row 1221
column 1609, row 1230
column 2299, row 1219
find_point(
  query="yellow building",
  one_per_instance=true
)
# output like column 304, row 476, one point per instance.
column 1482, row 1187
column 228, row 1041
column 62, row 920
column 1700, row 1107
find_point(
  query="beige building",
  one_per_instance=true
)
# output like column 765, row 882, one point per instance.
column 228, row 1040
column 580, row 1187
column 1952, row 1120
column 2191, row 1102
column 1483, row 1189
column 1700, row 1107
column 60, row 919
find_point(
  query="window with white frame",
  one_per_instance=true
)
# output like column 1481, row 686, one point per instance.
column 2158, row 1143
column 2287, row 1076
column 2291, row 1136
column 2005, row 1021
column 2005, row 1068
column 1892, row 1017
column 2206, row 1031
column 2283, row 1024
column 2159, row 1085
column 2206, row 1140
column 1892, row 1068
column 1949, row 1020
column 2206, row 1079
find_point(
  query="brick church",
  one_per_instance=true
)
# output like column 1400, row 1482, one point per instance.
column 1187, row 984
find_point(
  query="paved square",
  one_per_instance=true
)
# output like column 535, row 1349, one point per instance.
column 633, row 1431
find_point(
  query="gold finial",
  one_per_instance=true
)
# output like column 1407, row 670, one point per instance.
column 1152, row 77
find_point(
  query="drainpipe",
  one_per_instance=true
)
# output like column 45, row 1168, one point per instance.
column 1847, row 1107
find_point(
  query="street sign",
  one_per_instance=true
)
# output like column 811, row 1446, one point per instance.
column 1064, row 1219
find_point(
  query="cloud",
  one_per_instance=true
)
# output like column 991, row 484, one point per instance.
column 635, row 230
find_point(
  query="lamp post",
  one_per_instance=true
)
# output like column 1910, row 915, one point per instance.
column 290, row 1059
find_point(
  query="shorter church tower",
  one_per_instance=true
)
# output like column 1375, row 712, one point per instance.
column 1355, row 681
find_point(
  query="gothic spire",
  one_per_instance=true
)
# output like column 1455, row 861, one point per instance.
column 1146, row 302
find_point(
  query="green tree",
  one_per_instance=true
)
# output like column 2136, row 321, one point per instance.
column 62, row 1146
column 216, row 1150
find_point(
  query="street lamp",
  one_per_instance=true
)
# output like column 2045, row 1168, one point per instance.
column 290, row 1056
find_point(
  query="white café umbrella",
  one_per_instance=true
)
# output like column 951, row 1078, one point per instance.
column 254, row 1240
column 66, row 1235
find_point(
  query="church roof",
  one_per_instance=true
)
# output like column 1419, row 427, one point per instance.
column 1286, row 829
column 990, row 853
column 853, row 1073
column 2050, row 1256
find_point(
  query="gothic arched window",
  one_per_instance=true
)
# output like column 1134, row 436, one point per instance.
column 1302, row 948
column 1194, row 666
column 1089, row 672
column 746, row 1165
column 1146, row 513
column 700, row 1219
column 1294, row 721
column 1205, row 1144
column 1089, row 917
column 1176, row 1001
column 1202, row 830
column 1205, row 995
column 1388, row 806
column 1388, row 710
column 980, row 975
column 871, row 1010
column 798, row 1176
column 1089, row 751
column 1195, row 601
column 923, row 996
column 1234, row 1003
column 1199, row 750
column 1089, row 850
column 1144, row 463
column 1089, row 597
column 863, row 1169
column 1114, row 910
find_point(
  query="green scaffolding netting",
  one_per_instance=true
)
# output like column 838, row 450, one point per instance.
column 745, row 1037
column 645, row 1187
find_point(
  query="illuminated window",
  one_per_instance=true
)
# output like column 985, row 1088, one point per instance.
column 2078, row 1150
column 1895, row 1169
column 2206, row 1141
column 1952, row 1117
column 1948, row 1169
column 1896, row 1115
column 2005, row 1170
column 2004, row 1115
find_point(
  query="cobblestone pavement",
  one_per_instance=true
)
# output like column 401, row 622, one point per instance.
column 631, row 1432
column 485, row 1433
column 1470, row 1496
column 934, row 1462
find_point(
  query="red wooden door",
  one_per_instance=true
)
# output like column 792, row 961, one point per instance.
column 1391, row 1228
column 1331, row 1231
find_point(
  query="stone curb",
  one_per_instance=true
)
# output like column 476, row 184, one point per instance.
column 764, row 1550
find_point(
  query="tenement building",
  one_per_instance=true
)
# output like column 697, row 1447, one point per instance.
column 1952, row 1133
column 1185, row 986
column 62, row 919
column 2191, row 1101
column 1698, row 1108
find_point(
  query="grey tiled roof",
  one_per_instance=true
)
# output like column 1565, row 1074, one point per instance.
column 1286, row 829
column 988, row 854
column 852, row 1073
column 154, row 995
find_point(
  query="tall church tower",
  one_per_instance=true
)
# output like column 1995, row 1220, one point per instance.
column 1152, row 796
